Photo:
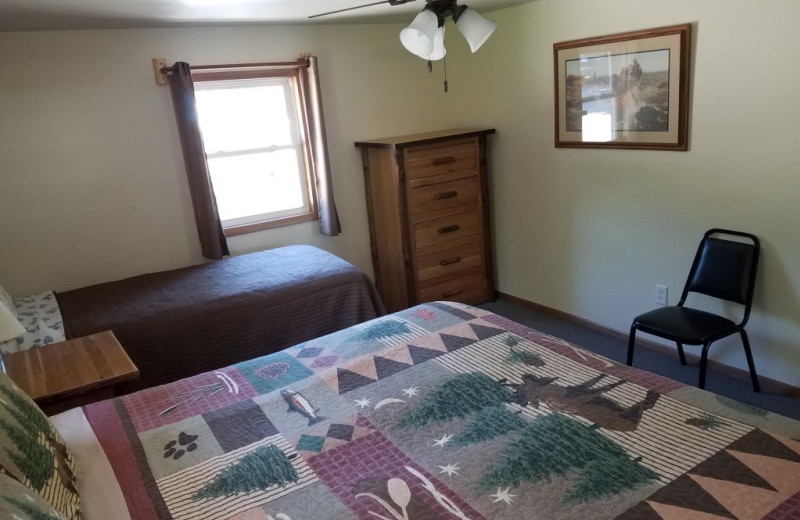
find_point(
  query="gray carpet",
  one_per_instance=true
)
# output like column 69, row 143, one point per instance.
column 669, row 366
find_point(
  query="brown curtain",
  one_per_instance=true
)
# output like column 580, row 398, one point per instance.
column 328, row 217
column 209, row 228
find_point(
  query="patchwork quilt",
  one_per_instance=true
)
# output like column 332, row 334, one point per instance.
column 445, row 411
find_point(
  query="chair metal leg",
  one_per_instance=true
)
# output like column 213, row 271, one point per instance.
column 631, row 344
column 750, row 364
column 680, row 353
column 703, row 362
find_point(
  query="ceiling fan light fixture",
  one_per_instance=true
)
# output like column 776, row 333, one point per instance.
column 475, row 28
column 418, row 38
column 438, row 51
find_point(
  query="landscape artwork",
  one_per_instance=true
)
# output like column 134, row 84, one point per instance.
column 628, row 90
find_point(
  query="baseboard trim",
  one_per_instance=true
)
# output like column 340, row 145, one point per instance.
column 772, row 386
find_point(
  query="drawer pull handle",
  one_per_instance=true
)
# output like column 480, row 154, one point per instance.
column 444, row 160
column 449, row 229
column 448, row 261
column 446, row 195
column 449, row 294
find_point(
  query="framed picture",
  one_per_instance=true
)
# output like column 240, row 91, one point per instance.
column 628, row 90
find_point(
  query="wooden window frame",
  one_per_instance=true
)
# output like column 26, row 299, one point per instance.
column 301, row 106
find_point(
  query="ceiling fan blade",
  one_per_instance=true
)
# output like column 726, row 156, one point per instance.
column 390, row 2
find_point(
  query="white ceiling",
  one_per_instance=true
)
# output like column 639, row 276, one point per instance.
column 28, row 15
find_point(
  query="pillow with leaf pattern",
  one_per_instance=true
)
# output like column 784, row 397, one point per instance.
column 33, row 453
column 18, row 501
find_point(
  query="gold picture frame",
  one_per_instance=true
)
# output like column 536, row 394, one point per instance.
column 627, row 90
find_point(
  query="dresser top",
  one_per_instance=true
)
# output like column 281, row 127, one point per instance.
column 402, row 141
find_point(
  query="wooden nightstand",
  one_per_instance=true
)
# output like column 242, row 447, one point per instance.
column 72, row 373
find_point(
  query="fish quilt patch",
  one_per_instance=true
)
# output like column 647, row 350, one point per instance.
column 444, row 411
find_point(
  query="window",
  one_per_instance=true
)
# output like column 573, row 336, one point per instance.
column 254, row 134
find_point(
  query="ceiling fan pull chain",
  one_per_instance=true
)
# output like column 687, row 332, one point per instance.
column 444, row 64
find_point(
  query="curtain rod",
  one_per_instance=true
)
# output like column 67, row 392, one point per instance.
column 161, row 70
column 298, row 64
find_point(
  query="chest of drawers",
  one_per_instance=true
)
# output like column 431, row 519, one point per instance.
column 428, row 205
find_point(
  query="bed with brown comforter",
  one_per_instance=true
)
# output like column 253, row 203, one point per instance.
column 178, row 323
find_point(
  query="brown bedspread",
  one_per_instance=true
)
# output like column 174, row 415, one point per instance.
column 178, row 323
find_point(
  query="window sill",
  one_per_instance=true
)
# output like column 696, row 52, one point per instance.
column 268, row 224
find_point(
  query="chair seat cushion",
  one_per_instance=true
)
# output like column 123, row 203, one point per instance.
column 685, row 325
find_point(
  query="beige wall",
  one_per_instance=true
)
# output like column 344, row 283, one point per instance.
column 92, row 185
column 591, row 232
column 87, row 140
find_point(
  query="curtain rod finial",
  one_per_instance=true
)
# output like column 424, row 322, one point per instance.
column 158, row 65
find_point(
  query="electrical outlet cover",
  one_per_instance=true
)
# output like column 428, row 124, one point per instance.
column 661, row 295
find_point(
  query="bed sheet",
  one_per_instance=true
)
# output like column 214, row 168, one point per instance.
column 41, row 317
column 101, row 496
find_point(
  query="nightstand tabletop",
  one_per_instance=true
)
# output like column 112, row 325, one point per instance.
column 69, row 368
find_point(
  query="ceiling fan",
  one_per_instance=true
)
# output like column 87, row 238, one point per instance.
column 424, row 37
column 390, row 2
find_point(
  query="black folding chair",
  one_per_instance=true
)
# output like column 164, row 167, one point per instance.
column 723, row 269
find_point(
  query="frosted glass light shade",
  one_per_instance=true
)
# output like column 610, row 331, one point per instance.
column 475, row 28
column 438, row 51
column 418, row 37
column 10, row 328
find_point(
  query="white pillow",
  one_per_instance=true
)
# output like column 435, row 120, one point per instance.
column 8, row 301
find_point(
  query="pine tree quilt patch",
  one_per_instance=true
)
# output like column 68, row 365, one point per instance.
column 35, row 457
column 444, row 411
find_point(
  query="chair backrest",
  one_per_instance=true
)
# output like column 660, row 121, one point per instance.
column 725, row 269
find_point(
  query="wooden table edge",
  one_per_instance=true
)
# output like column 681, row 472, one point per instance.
column 78, row 389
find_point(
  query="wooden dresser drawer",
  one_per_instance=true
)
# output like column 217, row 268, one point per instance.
column 431, row 201
column 470, row 288
column 441, row 233
column 428, row 161
column 449, row 261
column 429, row 227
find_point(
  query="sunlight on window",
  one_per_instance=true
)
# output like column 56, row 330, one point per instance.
column 256, row 184
column 253, row 147
column 242, row 118
column 597, row 127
